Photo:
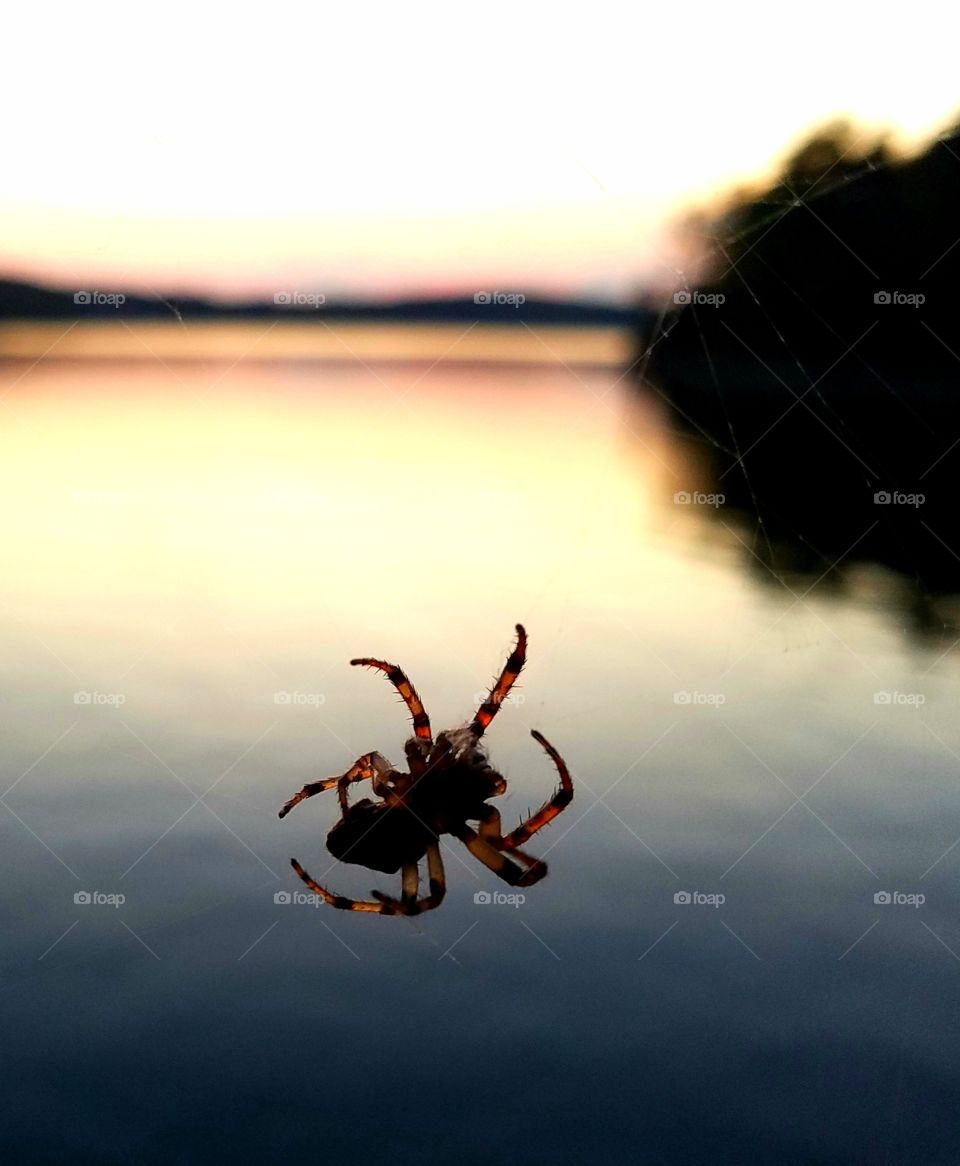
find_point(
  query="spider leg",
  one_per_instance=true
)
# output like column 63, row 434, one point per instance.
column 406, row 905
column 397, row 677
column 549, row 810
column 381, row 785
column 438, row 888
column 497, row 861
column 491, row 830
column 498, row 694
column 435, row 872
column 385, row 907
column 367, row 766
column 411, row 882
column 416, row 758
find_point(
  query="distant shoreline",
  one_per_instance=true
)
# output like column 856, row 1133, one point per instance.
column 25, row 301
column 341, row 340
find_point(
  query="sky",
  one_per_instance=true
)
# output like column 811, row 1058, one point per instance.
column 382, row 150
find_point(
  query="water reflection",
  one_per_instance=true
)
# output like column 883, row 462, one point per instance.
column 213, row 546
column 817, row 490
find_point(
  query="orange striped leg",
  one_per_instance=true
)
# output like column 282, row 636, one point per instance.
column 367, row 766
column 491, row 830
column 397, row 677
column 498, row 694
column 549, row 810
column 497, row 861
column 341, row 901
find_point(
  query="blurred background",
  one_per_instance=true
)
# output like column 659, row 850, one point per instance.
column 329, row 332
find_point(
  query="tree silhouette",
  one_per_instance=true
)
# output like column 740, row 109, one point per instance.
column 821, row 365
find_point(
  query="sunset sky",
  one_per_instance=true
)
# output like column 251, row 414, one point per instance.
column 395, row 149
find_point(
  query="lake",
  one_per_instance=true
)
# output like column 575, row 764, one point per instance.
column 748, row 945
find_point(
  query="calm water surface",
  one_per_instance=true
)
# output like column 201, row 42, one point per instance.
column 192, row 552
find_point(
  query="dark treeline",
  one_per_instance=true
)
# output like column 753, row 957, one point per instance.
column 817, row 366
column 25, row 301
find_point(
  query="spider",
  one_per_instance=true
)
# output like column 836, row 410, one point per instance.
column 448, row 785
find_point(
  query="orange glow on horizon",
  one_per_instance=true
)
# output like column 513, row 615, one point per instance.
column 388, row 153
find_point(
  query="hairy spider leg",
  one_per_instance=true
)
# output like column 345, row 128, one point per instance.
column 370, row 765
column 491, row 830
column 380, row 788
column 497, row 861
column 341, row 901
column 438, row 888
column 397, row 677
column 498, row 694
column 550, row 809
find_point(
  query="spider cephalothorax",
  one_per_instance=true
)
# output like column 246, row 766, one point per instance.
column 447, row 786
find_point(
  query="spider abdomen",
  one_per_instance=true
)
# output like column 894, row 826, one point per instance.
column 378, row 836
